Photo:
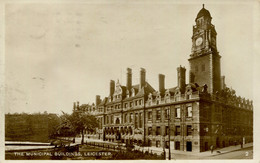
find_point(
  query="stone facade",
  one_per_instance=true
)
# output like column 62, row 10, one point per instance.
column 199, row 114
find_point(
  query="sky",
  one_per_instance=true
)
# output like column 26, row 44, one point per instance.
column 56, row 54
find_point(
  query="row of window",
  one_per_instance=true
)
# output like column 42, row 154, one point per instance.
column 188, row 113
column 126, row 105
column 136, row 103
column 177, row 130
column 129, row 117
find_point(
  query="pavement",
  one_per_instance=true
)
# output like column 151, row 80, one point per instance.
column 178, row 152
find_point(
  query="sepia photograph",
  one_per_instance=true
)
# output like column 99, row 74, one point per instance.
column 129, row 80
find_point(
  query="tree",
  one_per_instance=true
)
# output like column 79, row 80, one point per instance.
column 80, row 122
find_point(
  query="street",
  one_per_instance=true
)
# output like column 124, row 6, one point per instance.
column 245, row 153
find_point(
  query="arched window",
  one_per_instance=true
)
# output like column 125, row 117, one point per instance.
column 117, row 121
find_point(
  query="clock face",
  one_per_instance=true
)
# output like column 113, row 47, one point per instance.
column 198, row 41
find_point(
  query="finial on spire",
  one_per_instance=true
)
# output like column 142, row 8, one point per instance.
column 203, row 5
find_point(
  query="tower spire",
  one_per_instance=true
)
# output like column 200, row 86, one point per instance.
column 203, row 5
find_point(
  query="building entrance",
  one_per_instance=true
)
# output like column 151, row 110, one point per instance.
column 189, row 146
column 206, row 146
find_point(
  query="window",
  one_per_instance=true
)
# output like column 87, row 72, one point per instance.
column 149, row 130
column 203, row 67
column 125, row 118
column 158, row 130
column 177, row 112
column 131, row 117
column 112, row 119
column 140, row 102
column 136, row 120
column 126, row 105
column 158, row 114
column 166, row 113
column 131, row 104
column 189, row 130
column 188, row 111
column 136, row 103
column 140, row 120
column 177, row 145
column 149, row 115
column 177, row 130
column 117, row 121
column 158, row 143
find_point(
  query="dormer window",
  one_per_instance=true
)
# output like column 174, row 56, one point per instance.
column 133, row 92
column 140, row 102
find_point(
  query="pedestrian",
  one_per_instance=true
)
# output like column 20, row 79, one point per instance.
column 211, row 148
column 241, row 144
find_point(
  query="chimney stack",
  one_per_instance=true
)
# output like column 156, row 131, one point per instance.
column 112, row 87
column 142, row 78
column 77, row 105
column 181, row 78
column 74, row 105
column 98, row 100
column 161, row 83
column 223, row 84
column 129, row 79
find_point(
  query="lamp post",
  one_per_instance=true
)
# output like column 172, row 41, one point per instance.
column 169, row 132
column 164, row 153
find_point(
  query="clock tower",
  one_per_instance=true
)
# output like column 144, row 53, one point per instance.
column 204, row 58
